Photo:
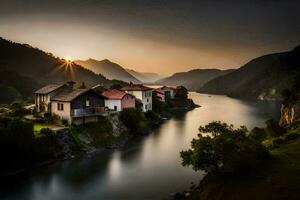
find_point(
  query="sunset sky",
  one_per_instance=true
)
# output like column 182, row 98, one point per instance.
column 156, row 36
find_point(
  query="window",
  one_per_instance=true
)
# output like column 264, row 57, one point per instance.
column 145, row 107
column 60, row 106
column 115, row 108
column 87, row 102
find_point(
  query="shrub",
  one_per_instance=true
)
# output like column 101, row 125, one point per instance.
column 292, row 136
column 151, row 115
column 273, row 129
column 258, row 134
column 228, row 151
column 133, row 119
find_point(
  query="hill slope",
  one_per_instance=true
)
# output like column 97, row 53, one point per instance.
column 25, row 69
column 108, row 69
column 145, row 77
column 262, row 78
column 193, row 79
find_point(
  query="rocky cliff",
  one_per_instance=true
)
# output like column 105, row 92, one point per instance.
column 290, row 114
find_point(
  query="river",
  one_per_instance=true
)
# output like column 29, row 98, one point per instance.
column 148, row 168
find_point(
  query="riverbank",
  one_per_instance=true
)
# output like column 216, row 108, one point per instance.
column 80, row 141
column 276, row 178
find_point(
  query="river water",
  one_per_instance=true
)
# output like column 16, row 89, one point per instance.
column 148, row 168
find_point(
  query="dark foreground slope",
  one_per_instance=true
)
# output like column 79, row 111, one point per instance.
column 262, row 78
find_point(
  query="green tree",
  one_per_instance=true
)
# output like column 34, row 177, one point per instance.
column 133, row 119
column 226, row 150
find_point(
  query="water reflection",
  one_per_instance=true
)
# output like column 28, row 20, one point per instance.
column 148, row 168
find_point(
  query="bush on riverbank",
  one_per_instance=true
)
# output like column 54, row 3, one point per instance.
column 19, row 148
column 227, row 151
column 133, row 119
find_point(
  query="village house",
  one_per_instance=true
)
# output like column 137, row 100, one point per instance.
column 142, row 93
column 118, row 100
column 76, row 106
column 169, row 92
column 160, row 94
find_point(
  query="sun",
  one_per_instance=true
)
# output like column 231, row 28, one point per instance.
column 69, row 59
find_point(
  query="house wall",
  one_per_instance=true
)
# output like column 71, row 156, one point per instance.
column 145, row 96
column 63, row 114
column 46, row 99
column 42, row 100
column 169, row 92
column 128, row 101
column 95, row 101
column 111, row 103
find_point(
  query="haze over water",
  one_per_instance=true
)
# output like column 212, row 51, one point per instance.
column 148, row 168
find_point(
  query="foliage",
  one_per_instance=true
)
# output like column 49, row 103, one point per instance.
column 151, row 115
column 273, row 129
column 228, row 150
column 100, row 131
column 9, row 94
column 133, row 119
column 291, row 95
column 181, row 93
column 20, row 148
column 158, row 106
column 258, row 134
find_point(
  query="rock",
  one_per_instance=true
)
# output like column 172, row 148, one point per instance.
column 289, row 114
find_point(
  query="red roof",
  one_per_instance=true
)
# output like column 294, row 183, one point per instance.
column 138, row 101
column 114, row 94
column 135, row 87
column 159, row 90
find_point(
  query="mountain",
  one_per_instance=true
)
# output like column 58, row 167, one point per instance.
column 108, row 69
column 193, row 79
column 24, row 69
column 145, row 77
column 261, row 78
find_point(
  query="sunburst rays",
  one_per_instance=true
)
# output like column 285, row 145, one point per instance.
column 67, row 65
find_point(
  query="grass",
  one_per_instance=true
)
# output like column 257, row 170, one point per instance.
column 37, row 127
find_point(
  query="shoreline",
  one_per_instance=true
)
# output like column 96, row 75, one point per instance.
column 114, row 146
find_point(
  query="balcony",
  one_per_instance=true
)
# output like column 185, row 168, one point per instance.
column 86, row 112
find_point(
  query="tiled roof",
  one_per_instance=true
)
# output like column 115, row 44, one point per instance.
column 49, row 88
column 70, row 94
column 114, row 94
column 169, row 87
column 136, row 87
column 138, row 101
column 159, row 90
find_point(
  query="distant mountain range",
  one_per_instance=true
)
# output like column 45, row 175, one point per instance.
column 24, row 69
column 193, row 79
column 261, row 78
column 145, row 77
column 108, row 69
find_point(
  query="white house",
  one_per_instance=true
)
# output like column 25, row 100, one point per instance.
column 76, row 106
column 43, row 96
column 140, row 92
column 118, row 100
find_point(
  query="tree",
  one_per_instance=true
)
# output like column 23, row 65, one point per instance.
column 227, row 150
column 133, row 119
column 181, row 93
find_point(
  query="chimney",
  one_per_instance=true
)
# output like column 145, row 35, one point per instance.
column 71, row 84
column 82, row 86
